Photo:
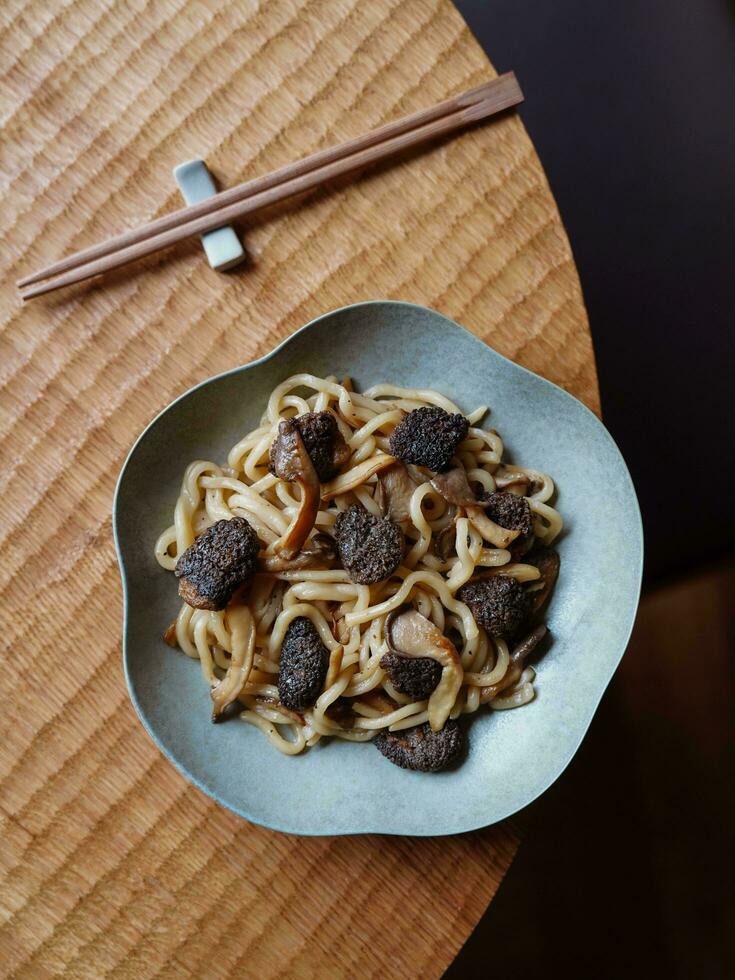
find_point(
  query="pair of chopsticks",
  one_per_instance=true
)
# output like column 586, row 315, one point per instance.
column 295, row 178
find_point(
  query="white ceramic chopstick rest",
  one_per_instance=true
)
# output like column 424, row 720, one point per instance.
column 222, row 246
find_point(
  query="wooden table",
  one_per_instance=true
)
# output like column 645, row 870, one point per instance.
column 111, row 863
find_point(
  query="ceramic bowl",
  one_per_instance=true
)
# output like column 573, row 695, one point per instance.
column 342, row 787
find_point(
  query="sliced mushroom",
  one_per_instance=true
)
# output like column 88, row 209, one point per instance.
column 499, row 537
column 412, row 635
column 445, row 541
column 521, row 546
column 380, row 701
column 547, row 562
column 455, row 488
column 335, row 666
column 292, row 463
column 507, row 478
column 395, row 489
column 512, row 481
column 356, row 476
column 317, row 553
column 324, row 443
column 242, row 629
column 340, row 630
column 515, row 664
column 340, row 712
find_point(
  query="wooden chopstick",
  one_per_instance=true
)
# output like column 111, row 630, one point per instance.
column 304, row 175
column 259, row 184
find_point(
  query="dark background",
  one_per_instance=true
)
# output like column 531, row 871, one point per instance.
column 631, row 107
column 626, row 863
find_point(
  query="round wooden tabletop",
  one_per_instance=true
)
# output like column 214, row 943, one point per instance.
column 111, row 863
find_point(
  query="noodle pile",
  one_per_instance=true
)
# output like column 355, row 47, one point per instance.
column 238, row 648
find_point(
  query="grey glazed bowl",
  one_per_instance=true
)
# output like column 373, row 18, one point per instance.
column 343, row 787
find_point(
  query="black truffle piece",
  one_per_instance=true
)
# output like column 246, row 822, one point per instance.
column 421, row 749
column 220, row 560
column 323, row 442
column 303, row 666
column 509, row 511
column 370, row 548
column 428, row 437
column 500, row 604
column 414, row 676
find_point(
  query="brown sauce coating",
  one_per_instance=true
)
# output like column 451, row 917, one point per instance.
column 220, row 560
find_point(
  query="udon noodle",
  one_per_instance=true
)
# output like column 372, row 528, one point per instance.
column 238, row 648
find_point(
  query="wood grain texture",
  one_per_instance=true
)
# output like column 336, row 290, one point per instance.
column 111, row 863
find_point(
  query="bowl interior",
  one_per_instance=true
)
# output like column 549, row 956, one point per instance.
column 341, row 787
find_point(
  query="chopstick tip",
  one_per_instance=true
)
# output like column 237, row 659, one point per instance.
column 28, row 292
